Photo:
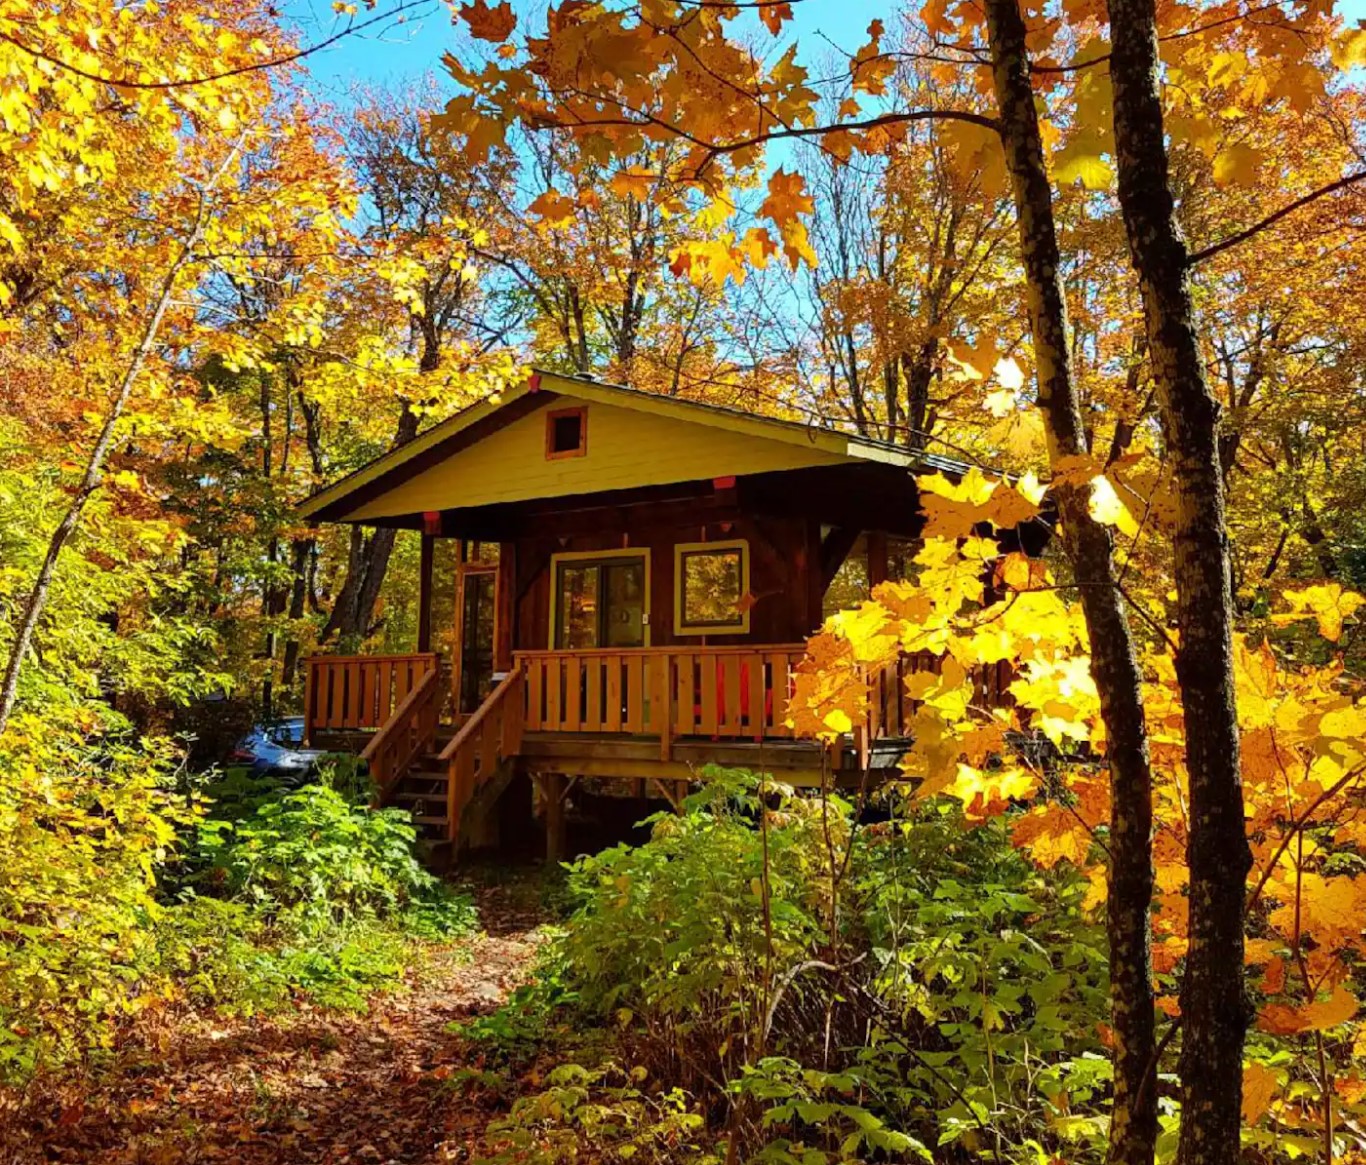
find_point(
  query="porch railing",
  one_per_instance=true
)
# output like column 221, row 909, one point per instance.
column 714, row 692
column 891, row 708
column 350, row 693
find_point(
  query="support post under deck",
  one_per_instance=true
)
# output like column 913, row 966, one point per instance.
column 553, row 789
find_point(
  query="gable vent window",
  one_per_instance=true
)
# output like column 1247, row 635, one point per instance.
column 566, row 433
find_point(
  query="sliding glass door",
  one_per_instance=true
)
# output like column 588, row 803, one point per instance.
column 599, row 601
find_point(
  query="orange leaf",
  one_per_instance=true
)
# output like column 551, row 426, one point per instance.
column 773, row 16
column 1260, row 1084
column 495, row 24
column 1282, row 1020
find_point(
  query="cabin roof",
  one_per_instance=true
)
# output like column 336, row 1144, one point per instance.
column 393, row 483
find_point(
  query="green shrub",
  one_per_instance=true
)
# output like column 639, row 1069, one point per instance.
column 308, row 892
column 312, row 850
column 826, row 991
column 83, row 829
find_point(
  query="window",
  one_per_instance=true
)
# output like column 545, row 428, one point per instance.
column 600, row 600
column 711, row 588
column 566, row 433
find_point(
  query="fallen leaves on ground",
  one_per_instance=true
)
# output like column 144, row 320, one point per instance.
column 306, row 1088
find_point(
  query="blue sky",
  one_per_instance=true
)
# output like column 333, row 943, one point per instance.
column 402, row 52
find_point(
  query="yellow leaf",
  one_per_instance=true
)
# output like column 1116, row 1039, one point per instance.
column 1105, row 507
column 1349, row 50
column 838, row 721
column 1238, row 165
column 1074, row 164
column 1326, row 602
column 1009, row 374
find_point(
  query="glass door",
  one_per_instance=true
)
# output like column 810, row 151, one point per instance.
column 600, row 602
column 478, row 626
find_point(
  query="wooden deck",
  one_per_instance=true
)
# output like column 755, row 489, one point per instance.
column 649, row 718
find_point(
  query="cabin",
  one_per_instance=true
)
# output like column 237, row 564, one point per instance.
column 616, row 587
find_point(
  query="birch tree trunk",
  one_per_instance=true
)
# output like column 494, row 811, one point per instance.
column 1089, row 545
column 1213, row 1010
column 93, row 476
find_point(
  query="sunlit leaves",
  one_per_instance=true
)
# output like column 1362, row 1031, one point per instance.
column 1327, row 603
column 786, row 203
column 1105, row 506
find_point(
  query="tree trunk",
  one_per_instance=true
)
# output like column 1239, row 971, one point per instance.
column 93, row 476
column 300, row 556
column 1114, row 665
column 919, row 369
column 1213, row 1010
column 354, row 611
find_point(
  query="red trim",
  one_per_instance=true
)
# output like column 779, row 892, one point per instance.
column 431, row 522
column 723, row 482
column 533, row 382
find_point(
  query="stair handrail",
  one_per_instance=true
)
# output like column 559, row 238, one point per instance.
column 458, row 757
column 413, row 722
column 493, row 700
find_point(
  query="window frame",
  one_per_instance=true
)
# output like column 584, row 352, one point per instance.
column 681, row 552
column 553, row 415
column 591, row 556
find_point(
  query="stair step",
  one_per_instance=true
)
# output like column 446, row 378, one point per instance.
column 432, row 820
column 415, row 781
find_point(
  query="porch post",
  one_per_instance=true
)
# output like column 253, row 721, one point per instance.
column 553, row 789
column 877, row 557
column 505, row 607
column 424, row 593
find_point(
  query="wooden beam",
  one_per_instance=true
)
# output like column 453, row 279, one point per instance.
column 504, row 606
column 835, row 547
column 877, row 557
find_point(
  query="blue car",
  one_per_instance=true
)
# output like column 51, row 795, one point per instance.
column 277, row 750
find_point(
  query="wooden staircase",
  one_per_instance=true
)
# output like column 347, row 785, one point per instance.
column 423, row 790
column 441, row 782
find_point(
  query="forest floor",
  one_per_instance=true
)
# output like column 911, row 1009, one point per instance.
column 308, row 1087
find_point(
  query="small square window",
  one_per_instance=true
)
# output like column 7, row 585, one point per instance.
column 566, row 433
column 712, row 588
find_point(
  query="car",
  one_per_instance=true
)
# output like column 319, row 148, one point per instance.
column 276, row 749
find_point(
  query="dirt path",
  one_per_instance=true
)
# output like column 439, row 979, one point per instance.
column 309, row 1088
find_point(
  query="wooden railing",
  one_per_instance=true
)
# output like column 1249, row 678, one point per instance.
column 405, row 736
column 358, row 692
column 891, row 708
column 667, row 692
column 491, row 735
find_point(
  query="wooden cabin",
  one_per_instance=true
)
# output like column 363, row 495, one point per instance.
column 615, row 587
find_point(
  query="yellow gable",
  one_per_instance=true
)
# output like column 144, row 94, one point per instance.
column 625, row 448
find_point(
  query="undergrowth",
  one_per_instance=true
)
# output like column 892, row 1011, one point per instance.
column 767, row 980
column 119, row 892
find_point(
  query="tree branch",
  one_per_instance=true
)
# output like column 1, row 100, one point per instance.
column 274, row 63
column 1271, row 219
